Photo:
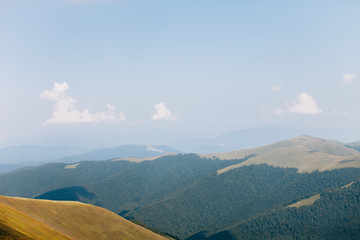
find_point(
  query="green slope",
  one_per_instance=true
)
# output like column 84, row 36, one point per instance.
column 216, row 201
column 141, row 183
column 35, row 181
column 336, row 215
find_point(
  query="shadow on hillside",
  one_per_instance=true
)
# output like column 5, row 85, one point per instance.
column 74, row 193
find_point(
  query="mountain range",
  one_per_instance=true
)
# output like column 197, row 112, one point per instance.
column 15, row 157
column 256, row 193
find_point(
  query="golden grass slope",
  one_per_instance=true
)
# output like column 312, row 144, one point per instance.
column 44, row 219
column 305, row 153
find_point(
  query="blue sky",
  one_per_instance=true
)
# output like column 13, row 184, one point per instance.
column 199, row 68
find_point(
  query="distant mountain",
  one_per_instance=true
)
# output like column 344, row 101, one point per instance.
column 42, row 220
column 191, row 195
column 18, row 156
column 9, row 167
column 15, row 157
column 126, row 151
column 36, row 154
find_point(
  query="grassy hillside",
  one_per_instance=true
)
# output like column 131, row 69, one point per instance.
column 311, row 144
column 305, row 153
column 302, row 159
column 43, row 219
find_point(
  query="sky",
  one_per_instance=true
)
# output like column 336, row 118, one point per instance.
column 191, row 68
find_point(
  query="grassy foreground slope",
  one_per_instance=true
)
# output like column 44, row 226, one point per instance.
column 23, row 218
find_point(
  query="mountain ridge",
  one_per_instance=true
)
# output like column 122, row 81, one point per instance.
column 306, row 153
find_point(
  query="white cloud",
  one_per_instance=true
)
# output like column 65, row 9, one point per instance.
column 162, row 113
column 65, row 110
column 275, row 88
column 304, row 104
column 348, row 78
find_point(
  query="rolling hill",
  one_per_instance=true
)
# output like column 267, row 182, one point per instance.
column 22, row 218
column 305, row 153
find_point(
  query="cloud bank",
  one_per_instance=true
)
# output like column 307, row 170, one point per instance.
column 65, row 110
column 162, row 113
column 304, row 104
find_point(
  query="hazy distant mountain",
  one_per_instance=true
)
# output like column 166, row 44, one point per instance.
column 9, row 167
column 185, row 141
column 23, row 218
column 126, row 151
column 35, row 154
column 18, row 156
